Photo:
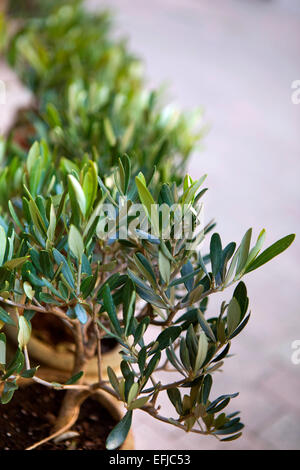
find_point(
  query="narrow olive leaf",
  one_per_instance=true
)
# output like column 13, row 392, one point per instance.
column 3, row 241
column 244, row 251
column 138, row 403
column 184, row 355
column 113, row 379
column 240, row 293
column 5, row 317
column 222, row 354
column 109, row 132
column 257, row 247
column 15, row 263
column 231, row 429
column 2, row 349
column 111, row 310
column 52, row 224
column 220, row 399
column 118, row 435
column 14, row 216
column 232, row 438
column 81, row 313
column 167, row 335
column 66, row 271
column 128, row 303
column 152, row 365
column 28, row 290
column 186, row 279
column 29, row 373
column 175, row 398
column 149, row 205
column 164, row 267
column 145, row 267
column 233, row 315
column 132, row 392
column 205, row 326
column 215, row 253
column 33, row 154
column 206, row 388
column 24, row 332
column 78, row 192
column 196, row 294
column 76, row 243
column 202, row 351
column 219, row 407
column 273, row 250
column 89, row 186
column 74, row 378
column 240, row 327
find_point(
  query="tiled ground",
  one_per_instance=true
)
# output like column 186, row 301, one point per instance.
column 237, row 59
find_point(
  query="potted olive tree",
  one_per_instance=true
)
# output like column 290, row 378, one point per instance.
column 101, row 260
column 101, row 241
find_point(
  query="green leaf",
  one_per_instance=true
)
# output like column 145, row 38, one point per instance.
column 77, row 194
column 164, row 267
column 81, row 313
column 52, row 224
column 2, row 349
column 113, row 379
column 257, row 247
column 206, row 388
column 167, row 335
column 132, row 392
column 128, row 303
column 145, row 268
column 24, row 332
column 111, row 310
column 61, row 260
column 273, row 250
column 28, row 290
column 215, row 253
column 149, row 205
column 33, row 155
column 74, row 378
column 138, row 403
column 202, row 351
column 29, row 373
column 243, row 251
column 184, row 355
column 175, row 398
column 118, row 435
column 90, row 185
column 233, row 315
column 76, row 243
column 152, row 365
column 2, row 244
column 109, row 132
column 205, row 326
column 15, row 263
column 6, row 318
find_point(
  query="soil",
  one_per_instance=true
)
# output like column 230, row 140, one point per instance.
column 53, row 331
column 30, row 416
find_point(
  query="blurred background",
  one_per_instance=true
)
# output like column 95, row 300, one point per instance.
column 236, row 59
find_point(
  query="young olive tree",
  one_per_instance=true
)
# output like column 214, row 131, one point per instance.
column 107, row 258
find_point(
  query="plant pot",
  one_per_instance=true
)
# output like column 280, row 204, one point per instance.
column 58, row 356
column 30, row 417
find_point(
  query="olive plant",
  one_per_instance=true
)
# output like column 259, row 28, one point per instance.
column 112, row 260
